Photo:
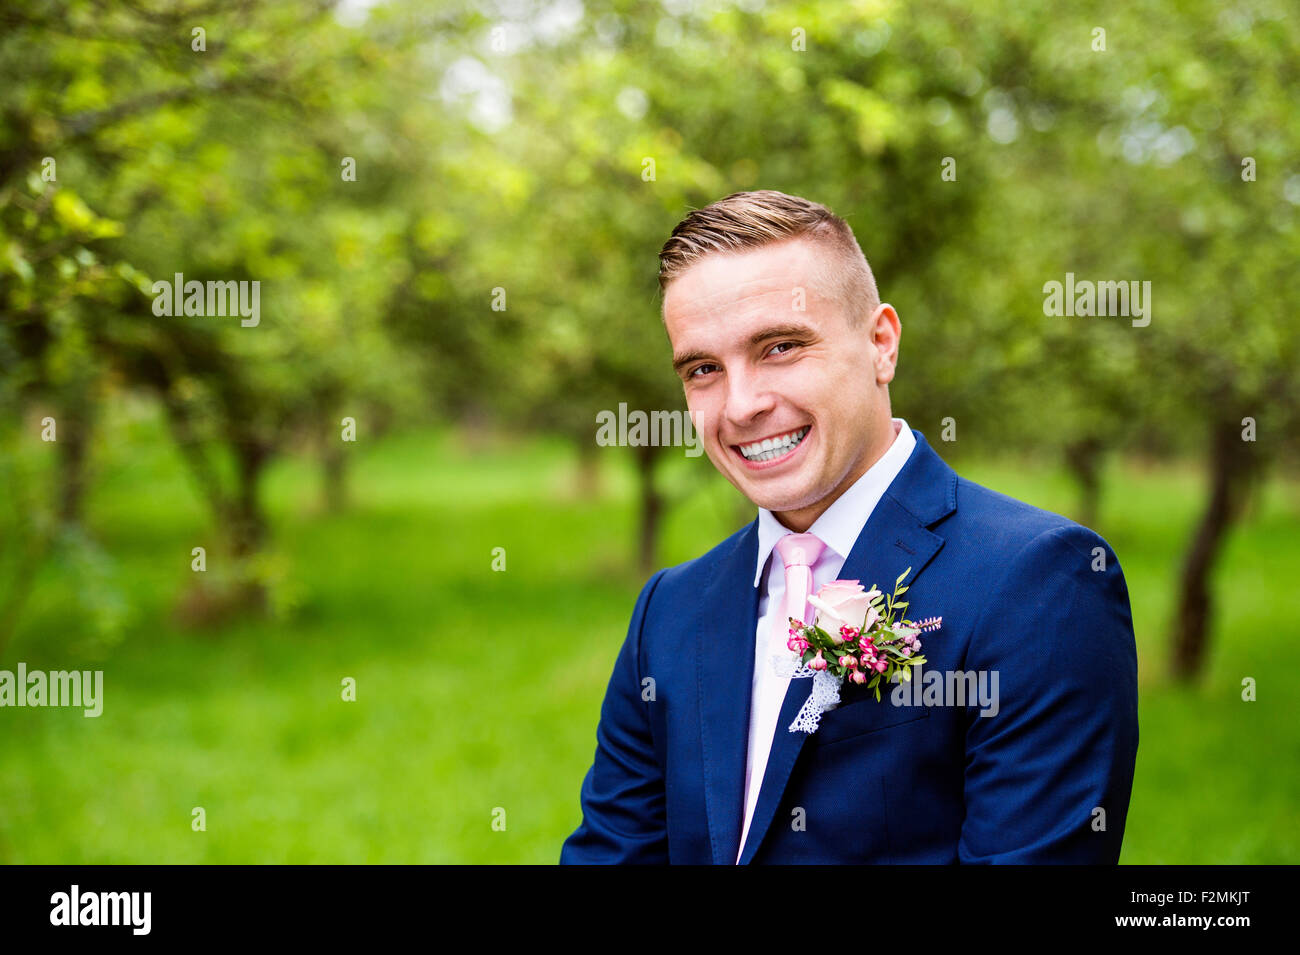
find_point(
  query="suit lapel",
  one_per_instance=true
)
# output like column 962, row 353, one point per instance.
column 726, row 678
column 894, row 538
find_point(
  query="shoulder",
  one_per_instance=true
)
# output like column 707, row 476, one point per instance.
column 977, row 522
column 1049, row 588
column 1009, row 524
column 1005, row 528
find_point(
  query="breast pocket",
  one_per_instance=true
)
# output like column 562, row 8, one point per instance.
column 863, row 714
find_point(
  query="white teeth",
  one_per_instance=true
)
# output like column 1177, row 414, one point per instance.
column 770, row 448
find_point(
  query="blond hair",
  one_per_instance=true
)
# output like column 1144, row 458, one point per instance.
column 751, row 220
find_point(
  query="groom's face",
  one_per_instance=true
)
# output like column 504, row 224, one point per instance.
column 792, row 405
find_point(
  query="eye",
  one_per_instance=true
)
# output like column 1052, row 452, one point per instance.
column 782, row 345
column 695, row 372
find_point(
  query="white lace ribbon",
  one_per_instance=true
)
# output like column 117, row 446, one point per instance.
column 825, row 693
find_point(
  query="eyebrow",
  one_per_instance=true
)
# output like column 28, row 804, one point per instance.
column 785, row 330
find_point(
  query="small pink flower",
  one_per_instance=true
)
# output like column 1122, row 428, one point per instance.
column 881, row 666
column 797, row 643
column 848, row 660
column 907, row 651
column 849, row 633
column 818, row 662
column 916, row 644
column 857, row 676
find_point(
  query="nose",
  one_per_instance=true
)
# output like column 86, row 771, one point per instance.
column 748, row 398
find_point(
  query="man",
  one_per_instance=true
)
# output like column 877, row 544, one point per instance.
column 786, row 354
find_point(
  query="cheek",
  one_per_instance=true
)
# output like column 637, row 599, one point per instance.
column 705, row 418
column 704, row 413
column 820, row 401
column 843, row 399
column 802, row 389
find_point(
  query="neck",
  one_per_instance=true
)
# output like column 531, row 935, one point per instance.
column 800, row 519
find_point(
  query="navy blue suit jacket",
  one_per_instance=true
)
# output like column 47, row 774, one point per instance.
column 1029, row 594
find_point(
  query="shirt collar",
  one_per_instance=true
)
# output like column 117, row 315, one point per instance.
column 841, row 524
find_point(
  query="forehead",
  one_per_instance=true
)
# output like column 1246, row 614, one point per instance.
column 726, row 281
column 736, row 287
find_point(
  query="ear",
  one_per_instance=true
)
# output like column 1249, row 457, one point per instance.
column 885, row 330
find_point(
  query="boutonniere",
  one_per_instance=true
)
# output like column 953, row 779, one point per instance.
column 856, row 635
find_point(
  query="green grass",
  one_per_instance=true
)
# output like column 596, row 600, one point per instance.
column 398, row 593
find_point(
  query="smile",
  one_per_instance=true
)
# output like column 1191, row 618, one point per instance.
column 774, row 448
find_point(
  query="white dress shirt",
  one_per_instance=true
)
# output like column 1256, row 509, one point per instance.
column 838, row 528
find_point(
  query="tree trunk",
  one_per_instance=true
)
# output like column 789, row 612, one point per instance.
column 331, row 446
column 248, row 530
column 192, row 451
column 76, row 424
column 334, row 473
column 247, row 523
column 587, row 483
column 1231, row 467
column 1083, row 458
column 651, row 508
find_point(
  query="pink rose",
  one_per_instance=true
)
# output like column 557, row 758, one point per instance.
column 843, row 603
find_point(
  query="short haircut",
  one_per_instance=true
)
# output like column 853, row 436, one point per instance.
column 751, row 220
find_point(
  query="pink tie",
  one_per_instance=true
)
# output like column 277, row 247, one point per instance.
column 799, row 552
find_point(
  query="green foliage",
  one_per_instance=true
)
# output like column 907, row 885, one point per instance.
column 249, row 722
column 128, row 156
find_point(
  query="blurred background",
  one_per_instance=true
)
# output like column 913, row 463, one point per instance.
column 453, row 212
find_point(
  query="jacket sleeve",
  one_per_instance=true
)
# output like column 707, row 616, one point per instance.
column 1048, row 777
column 623, row 804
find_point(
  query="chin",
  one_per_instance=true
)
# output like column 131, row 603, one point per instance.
column 778, row 500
